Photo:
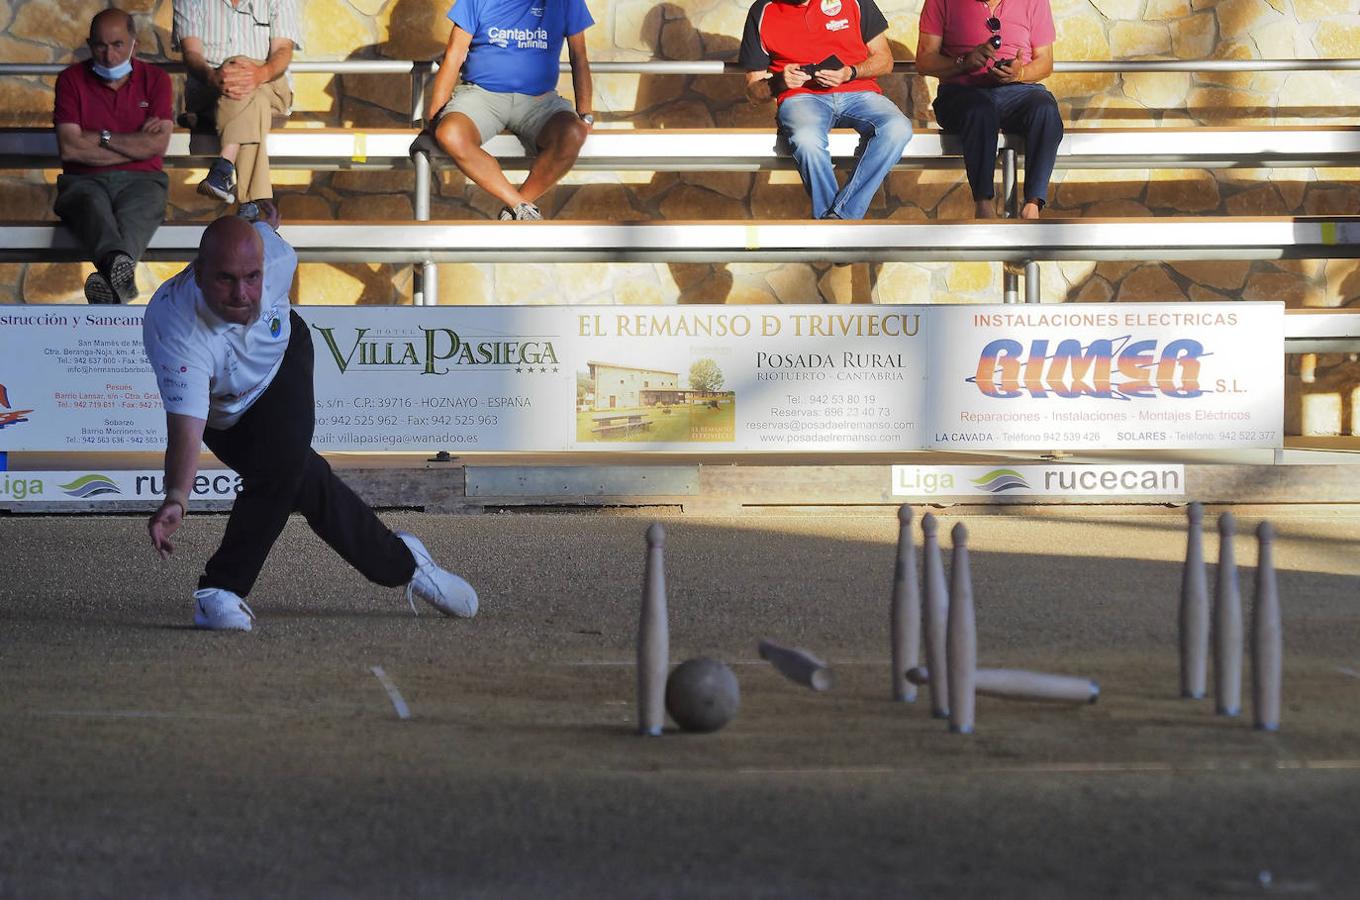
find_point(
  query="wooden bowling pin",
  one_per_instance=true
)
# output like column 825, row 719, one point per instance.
column 962, row 637
column 653, row 646
column 1266, row 638
column 797, row 665
column 1194, row 611
column 1227, row 625
column 1021, row 684
column 905, row 619
column 935, row 612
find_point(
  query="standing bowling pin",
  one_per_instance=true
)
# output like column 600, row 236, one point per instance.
column 1227, row 625
column 797, row 665
column 905, row 623
column 653, row 647
column 936, row 611
column 962, row 637
column 1266, row 639
column 1194, row 612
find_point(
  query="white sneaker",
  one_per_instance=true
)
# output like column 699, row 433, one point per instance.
column 441, row 589
column 220, row 610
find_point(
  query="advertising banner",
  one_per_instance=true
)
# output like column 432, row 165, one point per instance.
column 1086, row 376
column 926, row 482
column 94, row 486
column 700, row 378
column 722, row 378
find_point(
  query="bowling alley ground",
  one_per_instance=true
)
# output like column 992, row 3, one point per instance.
column 142, row 758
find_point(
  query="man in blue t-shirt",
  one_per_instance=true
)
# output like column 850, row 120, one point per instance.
column 500, row 72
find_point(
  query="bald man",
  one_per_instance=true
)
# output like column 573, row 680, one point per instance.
column 112, row 117
column 234, row 366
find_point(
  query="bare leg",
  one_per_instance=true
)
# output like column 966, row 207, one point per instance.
column 559, row 143
column 1030, row 210
column 229, row 151
column 458, row 136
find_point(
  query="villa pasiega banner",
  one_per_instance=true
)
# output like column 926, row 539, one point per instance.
column 700, row 378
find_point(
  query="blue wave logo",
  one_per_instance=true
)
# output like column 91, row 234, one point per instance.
column 88, row 486
column 998, row 481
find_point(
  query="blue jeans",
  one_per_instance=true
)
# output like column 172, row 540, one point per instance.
column 805, row 121
column 976, row 114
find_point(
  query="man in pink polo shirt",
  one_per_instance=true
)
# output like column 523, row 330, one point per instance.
column 990, row 56
column 112, row 117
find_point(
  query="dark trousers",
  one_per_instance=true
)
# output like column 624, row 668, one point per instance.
column 977, row 114
column 270, row 447
column 112, row 212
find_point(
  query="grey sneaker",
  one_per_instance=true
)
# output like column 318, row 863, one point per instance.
column 220, row 183
column 522, row 212
column 250, row 211
column 441, row 589
column 217, row 609
column 123, row 276
column 98, row 289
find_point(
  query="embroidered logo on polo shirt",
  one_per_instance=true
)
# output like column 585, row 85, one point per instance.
column 275, row 326
column 143, row 104
column 831, row 7
column 838, row 25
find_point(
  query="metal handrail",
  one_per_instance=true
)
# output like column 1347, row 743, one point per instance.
column 719, row 67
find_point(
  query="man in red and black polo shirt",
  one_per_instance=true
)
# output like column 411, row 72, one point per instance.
column 820, row 59
column 112, row 115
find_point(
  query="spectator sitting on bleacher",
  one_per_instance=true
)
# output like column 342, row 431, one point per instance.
column 237, row 53
column 500, row 71
column 989, row 57
column 821, row 60
column 112, row 117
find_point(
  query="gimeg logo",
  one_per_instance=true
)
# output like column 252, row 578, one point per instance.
column 1114, row 368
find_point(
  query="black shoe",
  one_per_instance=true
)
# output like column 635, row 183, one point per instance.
column 122, row 276
column 99, row 291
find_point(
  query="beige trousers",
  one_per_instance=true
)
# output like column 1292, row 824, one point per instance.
column 246, row 122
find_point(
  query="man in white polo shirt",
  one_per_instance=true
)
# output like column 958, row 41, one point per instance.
column 234, row 365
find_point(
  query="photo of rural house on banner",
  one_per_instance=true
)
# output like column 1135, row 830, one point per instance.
column 618, row 402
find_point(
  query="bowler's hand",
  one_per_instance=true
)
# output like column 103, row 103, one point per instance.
column 795, row 77
column 163, row 523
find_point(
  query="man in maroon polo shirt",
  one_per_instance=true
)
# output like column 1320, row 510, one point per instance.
column 112, row 115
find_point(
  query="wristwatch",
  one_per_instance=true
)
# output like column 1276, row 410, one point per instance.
column 588, row 118
column 104, row 137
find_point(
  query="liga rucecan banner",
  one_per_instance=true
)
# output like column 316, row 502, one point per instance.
column 700, row 378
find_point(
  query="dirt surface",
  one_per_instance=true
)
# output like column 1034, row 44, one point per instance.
column 139, row 757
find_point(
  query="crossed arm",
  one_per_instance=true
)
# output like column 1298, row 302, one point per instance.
column 81, row 145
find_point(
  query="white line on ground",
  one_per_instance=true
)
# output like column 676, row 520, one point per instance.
column 1345, row 671
column 140, row 714
column 403, row 712
column 619, row 663
column 1074, row 768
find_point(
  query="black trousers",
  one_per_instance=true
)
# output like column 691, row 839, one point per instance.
column 270, row 447
column 977, row 114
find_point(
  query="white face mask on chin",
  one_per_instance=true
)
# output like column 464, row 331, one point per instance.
column 113, row 73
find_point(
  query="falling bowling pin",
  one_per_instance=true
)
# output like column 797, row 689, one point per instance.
column 1194, row 611
column 905, row 620
column 1227, row 625
column 653, row 647
column 797, row 665
column 935, row 612
column 1266, row 640
column 962, row 637
column 1021, row 684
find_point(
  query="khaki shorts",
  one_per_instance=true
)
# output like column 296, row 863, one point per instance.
column 492, row 112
